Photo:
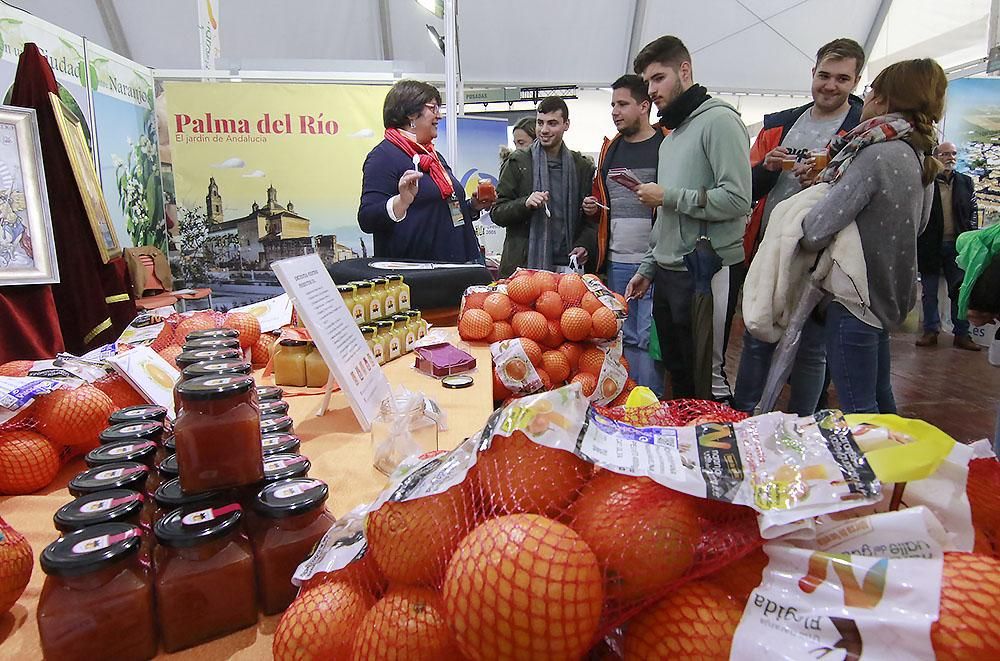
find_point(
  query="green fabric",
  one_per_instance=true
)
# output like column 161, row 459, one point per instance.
column 654, row 342
column 975, row 250
column 704, row 169
column 701, row 327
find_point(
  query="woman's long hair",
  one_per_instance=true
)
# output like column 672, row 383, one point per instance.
column 916, row 90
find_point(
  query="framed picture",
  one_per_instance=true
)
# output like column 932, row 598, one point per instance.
column 27, row 249
column 86, row 180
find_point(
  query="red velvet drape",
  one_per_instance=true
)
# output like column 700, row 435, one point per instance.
column 89, row 309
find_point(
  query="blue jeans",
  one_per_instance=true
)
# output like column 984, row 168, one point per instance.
column 635, row 333
column 859, row 363
column 807, row 377
column 929, row 292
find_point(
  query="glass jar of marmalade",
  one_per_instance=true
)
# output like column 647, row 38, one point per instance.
column 122, row 475
column 211, row 333
column 140, row 413
column 412, row 332
column 362, row 302
column 134, row 432
column 376, row 307
column 290, row 518
column 167, row 448
column 169, row 496
column 143, row 452
column 421, row 324
column 403, row 295
column 280, row 407
column 205, row 584
column 317, row 373
column 389, row 306
column 393, row 293
column 211, row 343
column 400, row 327
column 186, row 358
column 285, row 466
column 111, row 506
column 278, row 425
column 216, row 368
column 290, row 363
column 218, row 434
column 97, row 601
column 269, row 393
column 280, row 444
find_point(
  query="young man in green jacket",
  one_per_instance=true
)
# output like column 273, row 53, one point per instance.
column 703, row 185
column 541, row 207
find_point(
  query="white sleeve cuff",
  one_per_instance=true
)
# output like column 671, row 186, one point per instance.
column 388, row 209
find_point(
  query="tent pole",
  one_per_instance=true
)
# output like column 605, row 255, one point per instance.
column 451, row 75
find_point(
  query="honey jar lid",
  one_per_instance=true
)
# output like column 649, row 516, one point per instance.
column 168, row 467
column 403, row 318
column 382, row 324
column 395, row 277
column 140, row 430
column 194, row 525
column 120, row 475
column 268, row 393
column 90, row 549
column 169, row 495
column 292, row 343
column 186, row 358
column 109, row 453
column 211, row 332
column 285, row 466
column 214, row 387
column 212, row 343
column 282, row 423
column 290, row 497
column 280, row 406
column 413, row 314
column 113, row 505
column 379, row 281
column 368, row 330
column 280, row 444
column 216, row 367
column 346, row 289
column 361, row 284
column 136, row 413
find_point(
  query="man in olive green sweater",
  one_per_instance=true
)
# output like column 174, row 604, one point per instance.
column 703, row 181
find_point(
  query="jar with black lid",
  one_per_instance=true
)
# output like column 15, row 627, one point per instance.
column 269, row 393
column 279, row 407
column 133, row 432
column 216, row 368
column 211, row 333
column 169, row 496
column 143, row 452
column 281, row 424
column 97, row 601
column 139, row 413
column 205, row 585
column 168, row 469
column 111, row 506
column 280, row 443
column 187, row 358
column 122, row 475
column 211, row 343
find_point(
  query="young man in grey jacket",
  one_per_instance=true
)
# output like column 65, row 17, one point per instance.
column 703, row 182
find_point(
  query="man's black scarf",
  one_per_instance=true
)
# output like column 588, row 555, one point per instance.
column 681, row 108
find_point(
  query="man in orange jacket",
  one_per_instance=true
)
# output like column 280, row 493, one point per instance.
column 624, row 223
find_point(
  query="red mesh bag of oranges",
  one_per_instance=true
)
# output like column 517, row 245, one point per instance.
column 546, row 329
column 522, row 543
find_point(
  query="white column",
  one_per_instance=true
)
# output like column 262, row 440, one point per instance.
column 451, row 79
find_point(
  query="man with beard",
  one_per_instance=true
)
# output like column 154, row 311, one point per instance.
column 796, row 134
column 624, row 223
column 702, row 189
column 539, row 198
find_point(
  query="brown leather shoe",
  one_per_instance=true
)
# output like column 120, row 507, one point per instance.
column 965, row 342
column 927, row 340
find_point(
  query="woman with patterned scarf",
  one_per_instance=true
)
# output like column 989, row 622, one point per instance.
column 881, row 176
column 410, row 200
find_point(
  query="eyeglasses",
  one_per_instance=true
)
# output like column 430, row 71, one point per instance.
column 868, row 88
column 435, row 108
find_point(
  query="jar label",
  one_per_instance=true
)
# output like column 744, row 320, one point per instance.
column 404, row 300
column 390, row 305
column 209, row 514
column 278, row 464
column 410, row 340
column 358, row 313
column 394, row 348
column 293, row 490
column 103, row 505
column 422, row 331
column 378, row 352
column 102, row 542
column 131, row 429
column 115, row 473
column 376, row 309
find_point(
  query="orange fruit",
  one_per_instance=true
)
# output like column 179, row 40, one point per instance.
column 518, row 307
column 73, row 416
column 533, row 351
column 120, row 391
column 260, row 353
column 590, row 303
column 321, row 623
column 981, row 488
column 475, row 324
column 15, row 566
column 554, row 337
column 170, row 354
column 572, row 288
column 550, row 304
column 28, row 462
column 164, row 339
column 523, row 289
column 572, row 351
column 498, row 306
column 362, row 574
column 605, row 323
column 500, row 391
column 970, row 608
column 643, row 534
column 22, row 367
column 412, row 540
column 545, row 281
column 557, row 365
column 475, row 300
column 742, row 577
column 518, row 475
column 247, row 325
column 575, row 324
column 531, row 325
column 620, row 299
column 197, row 321
column 523, row 587
column 407, row 623
column 591, row 361
column 501, row 331
column 587, row 381
column 621, row 399
column 546, row 379
column 695, row 621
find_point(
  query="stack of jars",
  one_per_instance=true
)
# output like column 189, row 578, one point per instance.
column 179, row 533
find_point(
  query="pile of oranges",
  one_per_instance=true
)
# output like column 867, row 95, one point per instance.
column 176, row 328
column 561, row 323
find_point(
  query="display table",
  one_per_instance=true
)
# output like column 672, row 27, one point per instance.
column 340, row 454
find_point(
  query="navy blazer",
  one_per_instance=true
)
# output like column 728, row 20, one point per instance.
column 965, row 214
column 427, row 233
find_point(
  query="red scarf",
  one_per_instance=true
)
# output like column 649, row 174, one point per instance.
column 429, row 161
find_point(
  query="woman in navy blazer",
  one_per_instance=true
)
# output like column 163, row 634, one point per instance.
column 413, row 212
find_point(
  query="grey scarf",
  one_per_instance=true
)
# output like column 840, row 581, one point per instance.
column 539, row 232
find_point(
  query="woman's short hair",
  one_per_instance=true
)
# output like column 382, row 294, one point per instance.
column 405, row 99
column 526, row 124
